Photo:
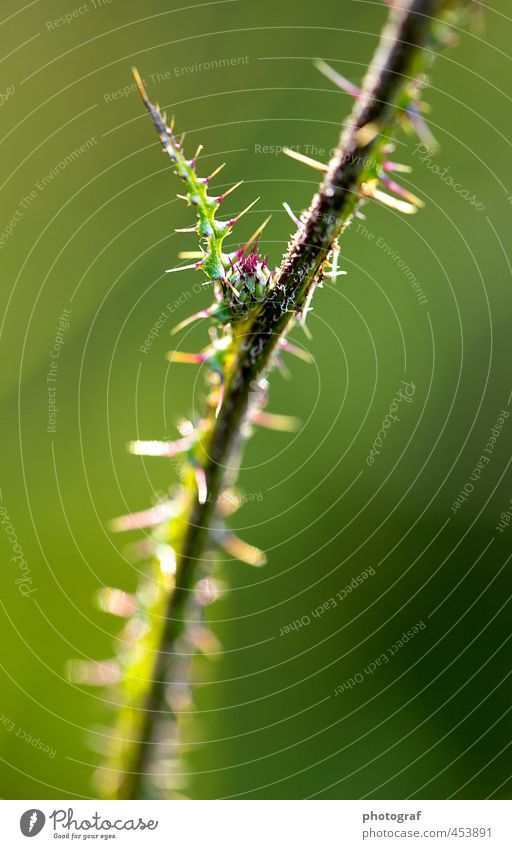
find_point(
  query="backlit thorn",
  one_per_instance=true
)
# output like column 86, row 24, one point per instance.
column 140, row 85
column 202, row 489
column 198, row 151
column 366, row 134
column 93, row 673
column 234, row 220
column 275, row 421
column 225, row 194
column 185, row 358
column 158, row 448
column 183, row 268
column 145, row 518
column 185, row 427
column 228, row 503
column 204, row 640
column 183, row 197
column 256, row 233
column 201, row 314
column 116, row 602
column 217, row 171
column 282, row 368
column 140, row 550
column 167, row 558
column 180, row 143
column 241, row 550
column 306, row 309
column 220, row 398
column 370, row 191
column 207, row 591
column 291, row 213
column 421, row 128
column 332, row 275
column 336, row 78
column 302, row 320
column 306, row 160
column 191, row 255
column 399, row 190
column 396, row 166
column 186, row 229
column 335, row 255
column 290, row 348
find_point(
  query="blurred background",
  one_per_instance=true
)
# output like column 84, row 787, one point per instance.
column 297, row 704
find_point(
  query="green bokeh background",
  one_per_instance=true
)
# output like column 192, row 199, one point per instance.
column 434, row 721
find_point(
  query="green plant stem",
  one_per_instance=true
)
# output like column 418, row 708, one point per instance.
column 376, row 110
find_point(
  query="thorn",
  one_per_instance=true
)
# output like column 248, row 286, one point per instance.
column 183, row 197
column 145, row 518
column 140, row 85
column 157, row 448
column 256, row 233
column 201, row 314
column 229, row 502
column 141, row 550
column 306, row 160
column 186, row 229
column 292, row 215
column 274, row 421
column 236, row 547
column 191, row 255
column 93, row 673
column 202, row 489
column 336, row 250
column 185, row 427
column 217, row 171
column 305, row 310
column 366, row 134
column 235, row 291
column 116, row 602
column 421, row 129
column 183, row 268
column 198, row 151
column 387, row 200
column 305, row 328
column 285, row 345
column 221, row 395
column 332, row 275
column 207, row 591
column 204, row 640
column 282, row 368
column 399, row 190
column 240, row 214
column 180, row 143
column 396, row 166
column 167, row 559
column 179, row 698
column 232, row 189
column 336, row 78
column 183, row 357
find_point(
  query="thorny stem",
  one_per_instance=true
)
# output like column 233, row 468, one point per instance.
column 375, row 114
